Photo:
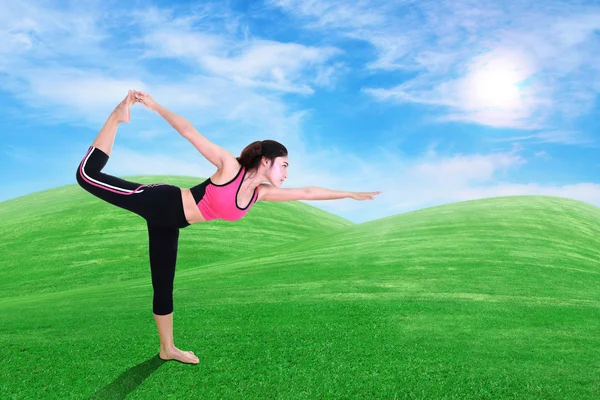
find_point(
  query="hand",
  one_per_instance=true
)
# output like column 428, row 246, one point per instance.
column 145, row 99
column 364, row 195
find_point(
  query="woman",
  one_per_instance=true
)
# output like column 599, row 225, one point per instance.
column 167, row 208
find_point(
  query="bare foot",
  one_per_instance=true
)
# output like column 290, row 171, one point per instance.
column 122, row 110
column 186, row 357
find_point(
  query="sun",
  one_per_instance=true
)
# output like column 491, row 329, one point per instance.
column 495, row 84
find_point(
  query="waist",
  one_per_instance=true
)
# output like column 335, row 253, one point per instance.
column 199, row 191
column 190, row 207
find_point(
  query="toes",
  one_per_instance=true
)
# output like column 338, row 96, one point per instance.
column 192, row 356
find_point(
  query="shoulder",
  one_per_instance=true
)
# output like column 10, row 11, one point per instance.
column 262, row 189
column 228, row 171
column 230, row 163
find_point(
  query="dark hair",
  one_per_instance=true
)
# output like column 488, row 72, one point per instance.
column 255, row 151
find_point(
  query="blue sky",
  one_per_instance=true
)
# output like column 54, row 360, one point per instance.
column 430, row 102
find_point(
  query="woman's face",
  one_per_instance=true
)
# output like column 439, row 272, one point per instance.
column 278, row 171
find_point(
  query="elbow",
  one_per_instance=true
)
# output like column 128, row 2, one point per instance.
column 185, row 130
column 317, row 193
column 309, row 193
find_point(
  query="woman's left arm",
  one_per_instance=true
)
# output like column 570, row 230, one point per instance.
column 318, row 193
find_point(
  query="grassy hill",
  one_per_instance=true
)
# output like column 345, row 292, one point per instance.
column 65, row 238
column 494, row 298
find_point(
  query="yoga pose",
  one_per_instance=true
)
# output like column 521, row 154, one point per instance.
column 237, row 184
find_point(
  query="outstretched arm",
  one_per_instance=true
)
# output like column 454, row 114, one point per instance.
column 318, row 193
column 212, row 152
column 271, row 193
column 181, row 125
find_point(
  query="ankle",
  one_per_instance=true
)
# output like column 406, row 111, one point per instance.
column 114, row 118
column 117, row 113
column 167, row 348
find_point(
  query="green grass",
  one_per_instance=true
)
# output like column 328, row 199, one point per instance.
column 494, row 298
column 65, row 238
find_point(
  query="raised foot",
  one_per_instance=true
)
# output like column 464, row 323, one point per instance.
column 186, row 357
column 122, row 110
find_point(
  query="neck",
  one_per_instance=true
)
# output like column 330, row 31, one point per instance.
column 252, row 180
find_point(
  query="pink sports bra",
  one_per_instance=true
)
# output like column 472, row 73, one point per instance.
column 220, row 201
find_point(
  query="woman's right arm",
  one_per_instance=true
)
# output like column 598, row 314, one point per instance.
column 215, row 154
column 179, row 123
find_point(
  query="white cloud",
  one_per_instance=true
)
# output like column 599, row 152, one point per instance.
column 327, row 75
column 126, row 161
column 89, row 94
column 409, row 185
column 336, row 14
column 70, row 70
column 567, row 137
column 249, row 62
column 57, row 89
column 554, row 56
column 173, row 43
column 232, row 107
column 271, row 60
column 461, row 170
column 48, row 32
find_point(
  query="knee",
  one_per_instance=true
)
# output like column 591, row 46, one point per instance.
column 162, row 301
column 79, row 177
column 91, row 166
column 85, row 173
column 162, row 306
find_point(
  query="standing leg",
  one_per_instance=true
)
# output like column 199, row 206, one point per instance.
column 106, row 138
column 163, row 257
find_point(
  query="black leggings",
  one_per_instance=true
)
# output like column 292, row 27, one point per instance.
column 159, row 204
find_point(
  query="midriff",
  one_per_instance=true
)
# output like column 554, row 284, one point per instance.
column 190, row 209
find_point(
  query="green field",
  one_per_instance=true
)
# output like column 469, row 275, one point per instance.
column 487, row 299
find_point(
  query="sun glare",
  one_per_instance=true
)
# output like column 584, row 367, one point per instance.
column 495, row 85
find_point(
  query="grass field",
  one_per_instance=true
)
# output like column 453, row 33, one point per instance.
column 488, row 299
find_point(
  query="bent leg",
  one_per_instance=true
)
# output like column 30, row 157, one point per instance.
column 106, row 137
column 116, row 191
column 159, row 204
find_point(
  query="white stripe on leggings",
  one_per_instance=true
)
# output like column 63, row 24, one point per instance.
column 102, row 183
